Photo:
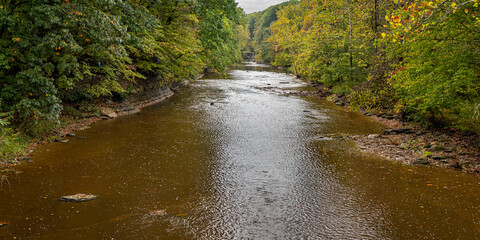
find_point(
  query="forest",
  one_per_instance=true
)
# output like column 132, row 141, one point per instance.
column 57, row 52
column 416, row 59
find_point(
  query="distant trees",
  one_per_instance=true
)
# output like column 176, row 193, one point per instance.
column 259, row 28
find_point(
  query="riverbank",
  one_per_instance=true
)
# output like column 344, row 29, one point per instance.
column 411, row 143
column 104, row 109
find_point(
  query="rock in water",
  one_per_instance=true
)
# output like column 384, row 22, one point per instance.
column 79, row 197
column 3, row 224
column 157, row 213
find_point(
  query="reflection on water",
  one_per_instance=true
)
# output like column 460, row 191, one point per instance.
column 228, row 160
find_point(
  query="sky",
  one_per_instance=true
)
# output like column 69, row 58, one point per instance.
column 257, row 5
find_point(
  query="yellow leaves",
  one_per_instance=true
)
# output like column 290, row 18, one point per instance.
column 384, row 35
column 454, row 5
column 16, row 39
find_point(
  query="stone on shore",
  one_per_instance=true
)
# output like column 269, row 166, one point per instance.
column 108, row 112
column 436, row 148
column 398, row 131
column 421, row 161
column 373, row 136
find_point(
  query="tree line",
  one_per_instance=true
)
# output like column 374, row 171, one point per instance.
column 69, row 51
column 419, row 59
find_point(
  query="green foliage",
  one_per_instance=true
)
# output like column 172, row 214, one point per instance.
column 218, row 32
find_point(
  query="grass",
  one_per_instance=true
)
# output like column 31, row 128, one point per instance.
column 11, row 144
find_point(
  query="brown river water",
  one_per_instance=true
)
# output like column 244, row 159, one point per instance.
column 256, row 164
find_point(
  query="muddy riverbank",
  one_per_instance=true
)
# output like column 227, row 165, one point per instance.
column 411, row 143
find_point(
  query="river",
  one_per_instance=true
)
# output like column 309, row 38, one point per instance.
column 235, row 158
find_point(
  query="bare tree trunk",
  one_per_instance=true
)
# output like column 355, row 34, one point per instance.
column 350, row 31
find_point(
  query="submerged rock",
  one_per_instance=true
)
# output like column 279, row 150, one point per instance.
column 70, row 134
column 79, row 197
column 157, row 213
column 3, row 224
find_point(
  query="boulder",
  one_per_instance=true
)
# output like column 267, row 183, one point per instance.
column 3, row 224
